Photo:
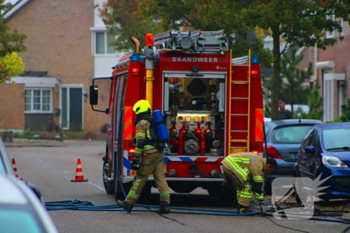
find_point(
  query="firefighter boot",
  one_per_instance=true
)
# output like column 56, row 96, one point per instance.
column 127, row 207
column 164, row 208
column 243, row 209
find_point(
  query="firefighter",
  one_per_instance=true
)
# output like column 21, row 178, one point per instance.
column 246, row 172
column 147, row 160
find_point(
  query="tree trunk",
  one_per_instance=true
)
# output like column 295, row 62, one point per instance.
column 276, row 70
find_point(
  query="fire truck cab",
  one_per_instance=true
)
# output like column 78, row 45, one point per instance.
column 212, row 105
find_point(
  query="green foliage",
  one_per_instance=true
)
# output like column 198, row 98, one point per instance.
column 10, row 44
column 297, row 22
column 10, row 65
column 267, row 86
column 315, row 103
column 138, row 17
column 345, row 116
column 122, row 18
column 27, row 133
column 240, row 45
column 292, row 91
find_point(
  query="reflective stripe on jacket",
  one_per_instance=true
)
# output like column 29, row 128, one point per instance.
column 143, row 132
column 246, row 165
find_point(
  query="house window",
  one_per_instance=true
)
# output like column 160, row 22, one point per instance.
column 329, row 34
column 102, row 40
column 38, row 100
column 341, row 34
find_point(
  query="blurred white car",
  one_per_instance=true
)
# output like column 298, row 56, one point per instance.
column 6, row 168
column 21, row 210
column 5, row 162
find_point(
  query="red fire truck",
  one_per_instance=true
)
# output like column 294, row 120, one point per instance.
column 212, row 105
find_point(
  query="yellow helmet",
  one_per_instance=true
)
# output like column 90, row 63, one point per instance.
column 141, row 106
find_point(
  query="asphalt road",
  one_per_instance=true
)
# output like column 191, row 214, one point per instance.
column 52, row 167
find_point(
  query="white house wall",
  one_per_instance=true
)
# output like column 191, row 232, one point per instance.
column 102, row 63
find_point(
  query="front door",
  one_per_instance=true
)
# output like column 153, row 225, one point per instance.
column 72, row 108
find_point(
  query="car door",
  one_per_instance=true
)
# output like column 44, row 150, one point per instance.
column 304, row 157
column 314, row 160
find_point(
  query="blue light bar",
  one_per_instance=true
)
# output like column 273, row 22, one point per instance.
column 255, row 59
column 135, row 57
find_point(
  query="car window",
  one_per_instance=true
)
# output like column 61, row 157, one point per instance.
column 314, row 139
column 291, row 134
column 336, row 138
column 307, row 138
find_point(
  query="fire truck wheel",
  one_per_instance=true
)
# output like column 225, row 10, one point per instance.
column 109, row 185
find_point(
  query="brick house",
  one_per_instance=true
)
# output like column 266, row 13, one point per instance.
column 332, row 72
column 67, row 46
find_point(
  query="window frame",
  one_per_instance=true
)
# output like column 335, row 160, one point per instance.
column 95, row 33
column 32, row 102
column 330, row 35
column 341, row 34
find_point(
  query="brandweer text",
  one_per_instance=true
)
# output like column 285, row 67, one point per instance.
column 195, row 59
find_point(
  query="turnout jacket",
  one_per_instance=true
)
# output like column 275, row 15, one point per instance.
column 143, row 133
column 246, row 166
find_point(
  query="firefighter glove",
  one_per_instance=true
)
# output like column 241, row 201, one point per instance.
column 262, row 208
column 135, row 164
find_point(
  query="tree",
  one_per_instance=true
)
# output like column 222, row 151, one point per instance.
column 123, row 19
column 10, row 44
column 209, row 15
column 297, row 22
column 267, row 86
column 292, row 91
column 315, row 103
column 10, row 65
column 345, row 116
column 138, row 17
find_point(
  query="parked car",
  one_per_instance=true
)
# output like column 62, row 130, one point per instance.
column 325, row 151
column 21, row 210
column 6, row 168
column 5, row 162
column 283, row 139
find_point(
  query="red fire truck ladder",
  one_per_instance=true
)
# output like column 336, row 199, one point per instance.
column 239, row 107
column 192, row 41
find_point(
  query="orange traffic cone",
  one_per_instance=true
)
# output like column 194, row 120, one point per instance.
column 79, row 173
column 14, row 167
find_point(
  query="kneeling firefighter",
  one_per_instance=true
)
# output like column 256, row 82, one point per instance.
column 148, row 160
column 245, row 170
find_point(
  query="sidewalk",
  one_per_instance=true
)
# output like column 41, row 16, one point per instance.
column 23, row 142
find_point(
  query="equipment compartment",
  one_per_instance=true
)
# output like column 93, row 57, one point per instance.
column 194, row 114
